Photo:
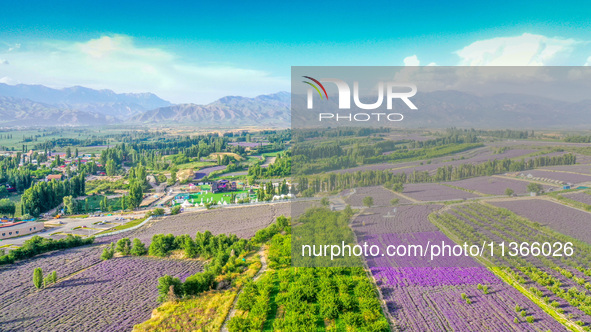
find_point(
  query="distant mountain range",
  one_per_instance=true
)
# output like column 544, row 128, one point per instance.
column 37, row 105
column 265, row 110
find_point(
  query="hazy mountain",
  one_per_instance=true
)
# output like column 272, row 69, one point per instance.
column 101, row 102
column 23, row 112
column 266, row 110
column 444, row 109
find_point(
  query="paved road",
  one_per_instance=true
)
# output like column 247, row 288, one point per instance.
column 53, row 226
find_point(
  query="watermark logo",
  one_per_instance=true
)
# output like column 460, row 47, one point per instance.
column 385, row 90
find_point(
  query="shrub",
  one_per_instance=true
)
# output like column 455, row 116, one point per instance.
column 138, row 248
column 108, row 252
column 175, row 210
column 165, row 284
column 123, row 246
column 38, row 277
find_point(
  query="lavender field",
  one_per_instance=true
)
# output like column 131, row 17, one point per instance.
column 441, row 308
column 200, row 174
column 492, row 185
column 113, row 295
column 242, row 221
column 381, row 196
column 400, row 219
column 435, row 192
column 583, row 197
column 561, row 218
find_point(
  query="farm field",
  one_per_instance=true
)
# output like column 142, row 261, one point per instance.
column 561, row 218
column 380, row 195
column 112, row 295
column 492, row 185
column 442, row 295
column 242, row 221
column 434, row 192
column 200, row 174
column 583, row 197
column 557, row 281
column 583, row 169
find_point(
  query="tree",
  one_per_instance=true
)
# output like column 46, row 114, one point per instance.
column 398, row 187
column 534, row 188
column 7, row 207
column 172, row 179
column 175, row 210
column 324, row 201
column 509, row 192
column 108, row 252
column 165, row 284
column 3, row 191
column 368, row 201
column 69, row 205
column 394, row 201
column 38, row 278
column 123, row 246
column 110, row 167
column 138, row 248
column 136, row 194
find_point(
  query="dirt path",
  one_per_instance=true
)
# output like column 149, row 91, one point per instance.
column 261, row 271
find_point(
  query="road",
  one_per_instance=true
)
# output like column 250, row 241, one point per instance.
column 53, row 226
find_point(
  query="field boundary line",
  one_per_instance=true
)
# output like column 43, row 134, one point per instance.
column 511, row 282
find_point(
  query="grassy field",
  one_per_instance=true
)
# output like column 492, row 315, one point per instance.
column 124, row 226
column 195, row 198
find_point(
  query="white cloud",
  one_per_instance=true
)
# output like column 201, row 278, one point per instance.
column 8, row 80
column 588, row 63
column 525, row 50
column 118, row 63
column 3, row 61
column 412, row 60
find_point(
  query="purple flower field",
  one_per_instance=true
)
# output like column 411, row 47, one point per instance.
column 561, row 218
column 406, row 219
column 381, row 196
column 441, row 308
column 492, row 185
column 582, row 197
column 200, row 174
column 113, row 295
column 584, row 169
column 434, row 192
column 242, row 221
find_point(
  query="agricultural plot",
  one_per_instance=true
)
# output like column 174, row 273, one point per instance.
column 561, row 218
column 583, row 169
column 443, row 308
column 200, row 174
column 110, row 296
column 492, row 185
column 561, row 282
column 442, row 295
column 242, row 221
column 380, row 195
column 583, row 197
column 558, row 176
column 400, row 219
column 434, row 192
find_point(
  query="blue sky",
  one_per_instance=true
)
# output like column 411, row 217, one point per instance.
column 196, row 51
